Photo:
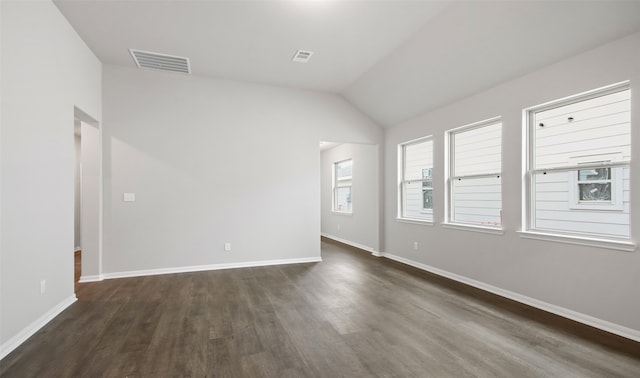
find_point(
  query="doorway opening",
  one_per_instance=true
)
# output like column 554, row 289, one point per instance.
column 351, row 183
column 88, row 199
column 77, row 244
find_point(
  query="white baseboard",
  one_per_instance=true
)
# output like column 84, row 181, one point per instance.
column 34, row 327
column 200, row 268
column 604, row 325
column 353, row 244
column 96, row 278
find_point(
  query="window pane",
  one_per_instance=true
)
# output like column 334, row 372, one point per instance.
column 343, row 169
column 413, row 201
column 589, row 201
column 477, row 151
column 418, row 160
column 594, row 174
column 343, row 199
column 417, row 200
column 595, row 192
column 427, row 202
column 477, row 201
column 554, row 207
column 594, row 127
column 342, row 190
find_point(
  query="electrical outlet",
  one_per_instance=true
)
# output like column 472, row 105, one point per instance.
column 43, row 286
column 415, row 246
column 338, row 227
column 227, row 247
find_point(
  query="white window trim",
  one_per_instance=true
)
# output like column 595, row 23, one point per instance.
column 342, row 213
column 415, row 221
column 528, row 231
column 402, row 181
column 448, row 195
column 620, row 245
column 474, row 228
column 336, row 185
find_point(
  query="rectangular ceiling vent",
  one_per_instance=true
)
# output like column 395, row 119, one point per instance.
column 163, row 62
column 302, row 56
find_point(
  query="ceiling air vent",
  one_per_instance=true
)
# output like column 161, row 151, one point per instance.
column 163, row 62
column 302, row 56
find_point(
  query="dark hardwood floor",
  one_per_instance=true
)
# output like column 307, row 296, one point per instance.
column 353, row 315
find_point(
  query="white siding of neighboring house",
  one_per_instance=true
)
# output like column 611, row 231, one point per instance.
column 418, row 156
column 477, row 152
column 600, row 130
column 478, row 201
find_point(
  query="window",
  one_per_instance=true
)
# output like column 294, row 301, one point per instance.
column 577, row 165
column 474, row 166
column 596, row 188
column 342, row 172
column 416, row 175
column 594, row 185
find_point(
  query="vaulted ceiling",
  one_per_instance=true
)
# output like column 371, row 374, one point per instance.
column 391, row 59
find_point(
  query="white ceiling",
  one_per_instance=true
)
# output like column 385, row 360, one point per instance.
column 472, row 46
column 392, row 59
column 253, row 40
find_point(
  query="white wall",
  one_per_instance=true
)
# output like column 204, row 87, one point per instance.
column 362, row 226
column 214, row 161
column 46, row 71
column 599, row 283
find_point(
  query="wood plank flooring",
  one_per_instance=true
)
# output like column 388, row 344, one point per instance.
column 352, row 315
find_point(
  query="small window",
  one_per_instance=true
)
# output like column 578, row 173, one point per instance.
column 578, row 156
column 342, row 180
column 474, row 182
column 416, row 180
column 594, row 185
column 598, row 188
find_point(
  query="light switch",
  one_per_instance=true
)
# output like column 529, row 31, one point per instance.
column 129, row 197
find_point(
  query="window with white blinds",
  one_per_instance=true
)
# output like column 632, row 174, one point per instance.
column 474, row 174
column 342, row 183
column 416, row 185
column 579, row 151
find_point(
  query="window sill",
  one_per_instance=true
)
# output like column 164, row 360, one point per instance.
column 415, row 221
column 473, row 228
column 341, row 212
column 620, row 245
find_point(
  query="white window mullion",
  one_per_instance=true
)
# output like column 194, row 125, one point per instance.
column 575, row 167
column 484, row 175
